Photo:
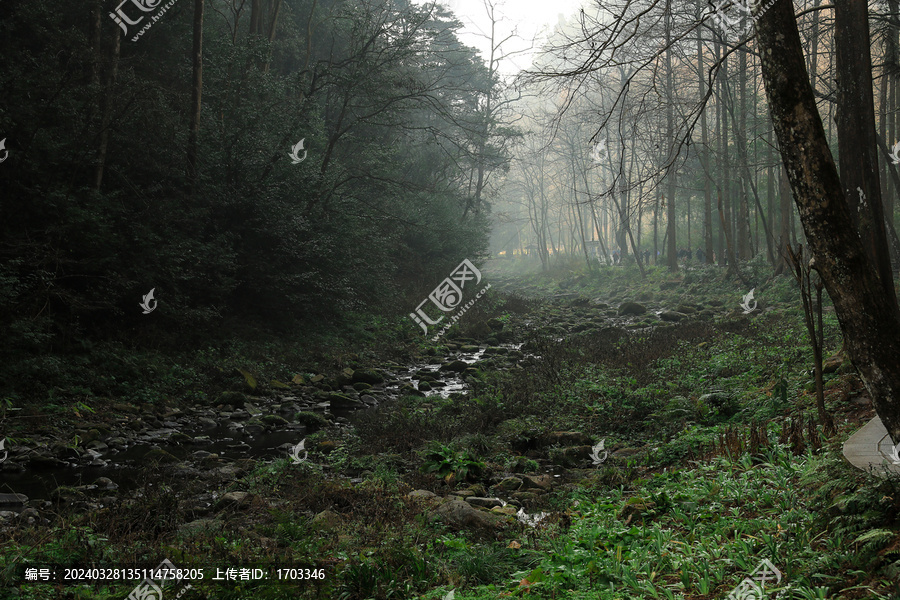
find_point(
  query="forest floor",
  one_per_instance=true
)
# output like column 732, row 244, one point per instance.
column 711, row 461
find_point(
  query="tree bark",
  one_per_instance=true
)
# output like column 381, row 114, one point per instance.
column 670, row 139
column 856, row 133
column 196, row 92
column 106, row 109
column 869, row 319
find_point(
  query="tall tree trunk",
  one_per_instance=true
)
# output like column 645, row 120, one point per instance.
column 96, row 50
column 786, row 209
column 106, row 109
column 723, row 188
column 856, row 133
column 770, row 194
column 869, row 319
column 670, row 140
column 893, row 82
column 196, row 92
column 740, row 136
column 256, row 17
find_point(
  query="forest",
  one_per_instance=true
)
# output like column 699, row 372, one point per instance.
column 411, row 299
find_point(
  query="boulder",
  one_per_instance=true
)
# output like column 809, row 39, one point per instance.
column 509, row 484
column 525, row 497
column 671, row 315
column 273, row 420
column 541, row 482
column 312, row 421
column 508, row 510
column 235, row 399
column 13, row 499
column 484, row 502
column 342, row 402
column 631, row 308
column 422, row 495
column 160, row 456
column 457, row 366
column 832, row 363
column 367, row 376
column 571, row 456
column 463, row 515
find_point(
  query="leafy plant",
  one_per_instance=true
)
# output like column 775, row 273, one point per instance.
column 449, row 464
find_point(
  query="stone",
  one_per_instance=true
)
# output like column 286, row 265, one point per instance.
column 832, row 363
column 509, row 484
column 29, row 516
column 326, row 520
column 484, row 502
column 342, row 402
column 456, row 366
column 13, row 499
column 235, row 500
column 525, row 497
column 631, row 308
column 462, row 493
column 312, row 421
column 463, row 515
column 273, row 420
column 508, row 510
column 571, row 456
column 105, row 483
column 235, row 399
column 671, row 316
column 541, row 482
column 369, row 376
column 422, row 495
column 424, row 386
column 160, row 456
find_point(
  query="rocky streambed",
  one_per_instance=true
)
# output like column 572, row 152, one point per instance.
column 212, row 444
column 104, row 457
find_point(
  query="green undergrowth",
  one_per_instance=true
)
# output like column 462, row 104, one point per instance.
column 714, row 467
